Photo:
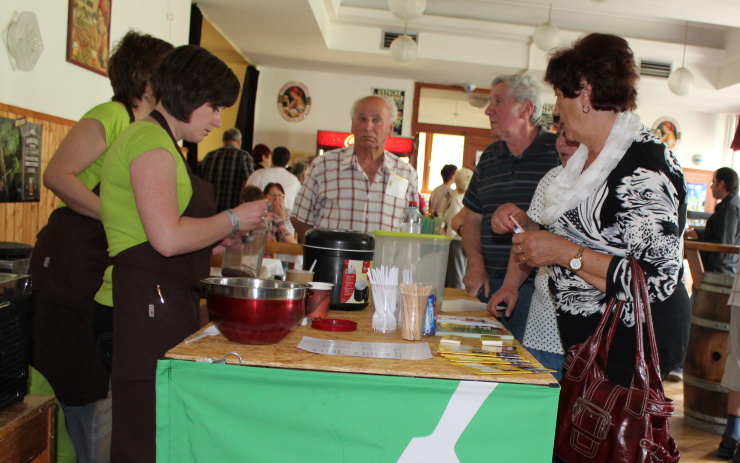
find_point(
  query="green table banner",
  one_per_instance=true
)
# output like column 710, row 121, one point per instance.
column 228, row 413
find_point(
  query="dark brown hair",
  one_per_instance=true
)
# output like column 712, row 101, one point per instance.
column 259, row 152
column 189, row 77
column 604, row 61
column 269, row 186
column 132, row 63
column 250, row 193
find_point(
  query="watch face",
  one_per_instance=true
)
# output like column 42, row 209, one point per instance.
column 575, row 264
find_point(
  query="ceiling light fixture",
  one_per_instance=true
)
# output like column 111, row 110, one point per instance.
column 681, row 81
column 403, row 48
column 547, row 35
column 406, row 10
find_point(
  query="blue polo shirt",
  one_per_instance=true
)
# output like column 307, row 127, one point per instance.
column 499, row 178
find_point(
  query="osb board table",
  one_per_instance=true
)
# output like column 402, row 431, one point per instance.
column 284, row 404
column 286, row 354
column 27, row 430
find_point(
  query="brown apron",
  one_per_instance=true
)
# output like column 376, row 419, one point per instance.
column 67, row 266
column 156, row 303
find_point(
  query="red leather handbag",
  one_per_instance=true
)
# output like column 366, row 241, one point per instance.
column 599, row 421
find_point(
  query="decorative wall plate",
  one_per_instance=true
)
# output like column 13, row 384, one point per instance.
column 668, row 130
column 294, row 101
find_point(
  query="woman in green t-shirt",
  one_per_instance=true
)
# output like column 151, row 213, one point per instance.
column 161, row 223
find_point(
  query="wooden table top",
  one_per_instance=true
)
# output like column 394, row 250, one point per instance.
column 285, row 354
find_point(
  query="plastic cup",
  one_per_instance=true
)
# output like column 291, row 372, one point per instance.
column 319, row 296
column 413, row 307
column 299, row 276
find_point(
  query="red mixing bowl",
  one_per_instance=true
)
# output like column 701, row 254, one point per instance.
column 253, row 310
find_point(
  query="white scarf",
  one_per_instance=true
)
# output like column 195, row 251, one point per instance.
column 573, row 184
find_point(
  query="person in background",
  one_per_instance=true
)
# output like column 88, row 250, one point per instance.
column 622, row 194
column 69, row 329
column 723, row 226
column 273, row 192
column 227, row 168
column 456, row 261
column 441, row 196
column 300, row 169
column 508, row 172
column 541, row 335
column 161, row 229
column 350, row 188
column 278, row 173
column 262, row 156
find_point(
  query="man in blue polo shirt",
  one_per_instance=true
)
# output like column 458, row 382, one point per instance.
column 508, row 172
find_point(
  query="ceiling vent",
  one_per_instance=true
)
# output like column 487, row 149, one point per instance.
column 389, row 37
column 655, row 69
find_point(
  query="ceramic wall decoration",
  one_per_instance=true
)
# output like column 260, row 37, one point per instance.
column 294, row 102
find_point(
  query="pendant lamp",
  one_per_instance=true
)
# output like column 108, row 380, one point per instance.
column 547, row 34
column 403, row 48
column 681, row 81
column 406, row 10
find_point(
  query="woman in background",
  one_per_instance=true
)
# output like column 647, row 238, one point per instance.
column 70, row 255
column 275, row 195
column 161, row 229
column 622, row 194
column 262, row 156
column 456, row 262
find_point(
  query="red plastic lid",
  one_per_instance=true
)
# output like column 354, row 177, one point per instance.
column 334, row 324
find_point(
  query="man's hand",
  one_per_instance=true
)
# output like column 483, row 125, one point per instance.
column 476, row 280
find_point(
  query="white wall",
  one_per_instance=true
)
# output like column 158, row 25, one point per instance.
column 63, row 89
column 701, row 133
column 332, row 96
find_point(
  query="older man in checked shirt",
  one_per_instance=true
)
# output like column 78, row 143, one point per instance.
column 361, row 187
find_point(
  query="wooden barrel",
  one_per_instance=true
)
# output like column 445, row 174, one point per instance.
column 705, row 400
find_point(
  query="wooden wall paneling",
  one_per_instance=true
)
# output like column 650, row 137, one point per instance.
column 21, row 222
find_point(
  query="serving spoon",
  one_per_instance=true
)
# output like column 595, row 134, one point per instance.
column 210, row 331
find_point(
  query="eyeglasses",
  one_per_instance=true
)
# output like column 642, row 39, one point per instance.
column 276, row 195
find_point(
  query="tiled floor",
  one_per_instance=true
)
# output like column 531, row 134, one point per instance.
column 695, row 445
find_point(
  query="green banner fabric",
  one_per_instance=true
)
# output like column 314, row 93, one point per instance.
column 228, row 413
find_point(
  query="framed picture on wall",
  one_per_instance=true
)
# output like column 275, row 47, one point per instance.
column 88, row 34
column 399, row 97
column 294, row 101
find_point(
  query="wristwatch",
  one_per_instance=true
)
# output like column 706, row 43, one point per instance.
column 577, row 261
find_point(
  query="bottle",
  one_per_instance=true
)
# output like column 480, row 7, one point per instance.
column 411, row 220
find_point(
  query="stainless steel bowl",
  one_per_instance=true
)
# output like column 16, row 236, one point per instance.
column 256, row 288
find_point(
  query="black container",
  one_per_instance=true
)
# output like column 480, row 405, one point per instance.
column 343, row 258
column 14, row 338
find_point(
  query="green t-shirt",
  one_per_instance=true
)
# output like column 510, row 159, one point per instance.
column 114, row 118
column 118, row 210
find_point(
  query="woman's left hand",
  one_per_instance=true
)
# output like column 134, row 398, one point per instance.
column 540, row 248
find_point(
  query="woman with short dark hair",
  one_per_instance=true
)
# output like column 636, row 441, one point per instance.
column 622, row 194
column 162, row 228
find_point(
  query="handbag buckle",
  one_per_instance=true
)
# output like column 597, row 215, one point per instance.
column 591, row 425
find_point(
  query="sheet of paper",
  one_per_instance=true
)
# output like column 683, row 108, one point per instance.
column 381, row 350
column 462, row 305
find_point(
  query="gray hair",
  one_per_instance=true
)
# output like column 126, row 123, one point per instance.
column 392, row 108
column 233, row 134
column 524, row 87
column 462, row 178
